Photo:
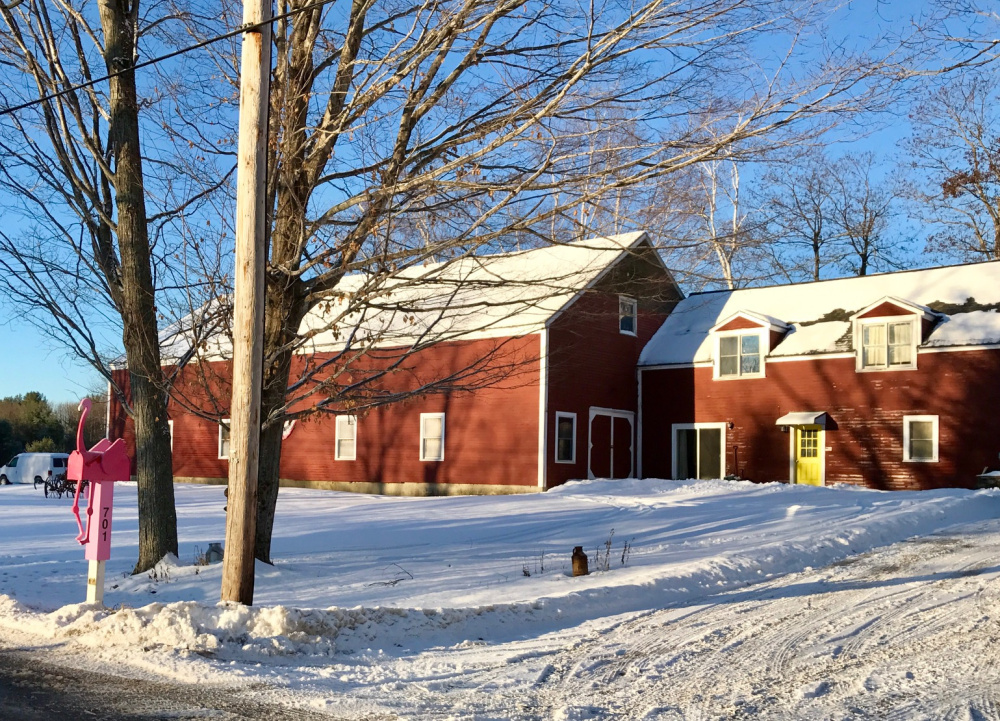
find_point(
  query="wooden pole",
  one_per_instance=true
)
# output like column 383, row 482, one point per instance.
column 248, row 304
column 95, row 582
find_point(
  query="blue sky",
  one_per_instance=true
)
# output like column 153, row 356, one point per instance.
column 33, row 360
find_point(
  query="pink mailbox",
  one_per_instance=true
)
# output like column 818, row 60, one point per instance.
column 102, row 465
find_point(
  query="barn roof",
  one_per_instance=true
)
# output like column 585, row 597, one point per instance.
column 961, row 300
column 474, row 296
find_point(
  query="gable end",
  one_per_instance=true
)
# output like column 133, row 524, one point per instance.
column 740, row 323
column 886, row 310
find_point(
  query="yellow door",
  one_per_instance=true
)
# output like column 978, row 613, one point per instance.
column 808, row 462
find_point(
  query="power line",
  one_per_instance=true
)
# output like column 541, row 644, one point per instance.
column 146, row 63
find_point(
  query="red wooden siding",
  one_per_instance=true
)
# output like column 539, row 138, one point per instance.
column 886, row 310
column 491, row 434
column 740, row 324
column 865, row 433
column 591, row 363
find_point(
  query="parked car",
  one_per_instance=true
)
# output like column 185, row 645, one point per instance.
column 33, row 467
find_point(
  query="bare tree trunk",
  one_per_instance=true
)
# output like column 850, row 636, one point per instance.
column 157, row 515
column 817, row 244
column 282, row 317
column 268, row 475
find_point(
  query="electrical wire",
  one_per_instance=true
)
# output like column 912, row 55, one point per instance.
column 159, row 59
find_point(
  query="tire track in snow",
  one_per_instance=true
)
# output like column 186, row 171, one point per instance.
column 758, row 653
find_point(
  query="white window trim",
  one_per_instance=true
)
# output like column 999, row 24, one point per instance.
column 906, row 438
column 431, row 415
column 764, row 338
column 674, row 427
column 336, row 440
column 170, row 425
column 224, row 422
column 859, row 346
column 560, row 415
column 635, row 315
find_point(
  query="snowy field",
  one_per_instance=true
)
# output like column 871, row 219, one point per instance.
column 733, row 599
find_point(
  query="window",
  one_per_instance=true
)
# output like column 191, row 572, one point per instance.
column 739, row 355
column 170, row 425
column 13, row 462
column 627, row 320
column 809, row 443
column 346, row 438
column 699, row 450
column 565, row 437
column 224, row 438
column 920, row 439
column 58, row 462
column 432, row 436
column 887, row 345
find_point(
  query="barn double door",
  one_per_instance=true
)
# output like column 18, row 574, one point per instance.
column 611, row 449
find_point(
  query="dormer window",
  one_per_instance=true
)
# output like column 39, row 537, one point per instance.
column 627, row 315
column 887, row 345
column 739, row 355
column 742, row 342
column 887, row 333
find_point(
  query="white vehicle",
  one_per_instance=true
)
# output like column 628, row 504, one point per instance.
column 33, row 468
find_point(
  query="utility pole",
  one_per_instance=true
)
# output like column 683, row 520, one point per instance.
column 248, row 304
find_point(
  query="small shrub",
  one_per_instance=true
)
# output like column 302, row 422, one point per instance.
column 602, row 560
column 159, row 573
column 602, row 556
column 534, row 566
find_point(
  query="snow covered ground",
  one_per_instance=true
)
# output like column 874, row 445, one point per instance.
column 465, row 607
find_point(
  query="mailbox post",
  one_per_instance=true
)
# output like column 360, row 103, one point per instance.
column 101, row 466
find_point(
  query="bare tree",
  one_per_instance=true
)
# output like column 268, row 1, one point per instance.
column 862, row 212
column 73, row 163
column 401, row 133
column 475, row 118
column 724, row 224
column 954, row 163
column 799, row 205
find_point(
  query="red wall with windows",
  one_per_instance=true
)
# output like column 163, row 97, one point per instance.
column 491, row 433
column 592, row 363
column 865, row 432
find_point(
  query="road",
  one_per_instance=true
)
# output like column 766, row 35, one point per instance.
column 32, row 689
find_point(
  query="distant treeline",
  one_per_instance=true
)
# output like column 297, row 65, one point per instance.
column 30, row 423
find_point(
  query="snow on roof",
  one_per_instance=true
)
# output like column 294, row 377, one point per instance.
column 818, row 312
column 828, row 337
column 981, row 327
column 478, row 296
column 475, row 296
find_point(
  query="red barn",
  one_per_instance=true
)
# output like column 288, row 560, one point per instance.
column 539, row 349
column 890, row 381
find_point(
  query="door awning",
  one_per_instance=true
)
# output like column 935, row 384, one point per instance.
column 803, row 418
